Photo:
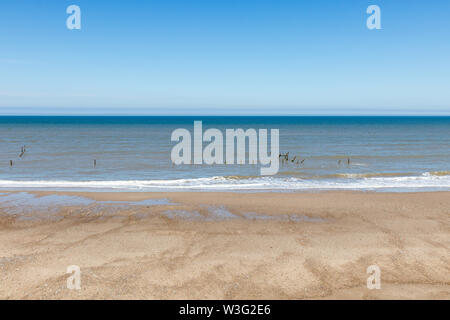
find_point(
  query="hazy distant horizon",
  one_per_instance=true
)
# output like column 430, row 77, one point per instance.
column 216, row 112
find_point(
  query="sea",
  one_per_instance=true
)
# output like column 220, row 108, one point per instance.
column 133, row 153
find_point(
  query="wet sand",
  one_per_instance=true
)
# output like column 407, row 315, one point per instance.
column 225, row 245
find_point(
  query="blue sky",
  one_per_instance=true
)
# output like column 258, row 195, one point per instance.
column 225, row 57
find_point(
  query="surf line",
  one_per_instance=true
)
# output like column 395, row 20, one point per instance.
column 213, row 153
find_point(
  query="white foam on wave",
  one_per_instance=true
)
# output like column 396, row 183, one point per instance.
column 425, row 182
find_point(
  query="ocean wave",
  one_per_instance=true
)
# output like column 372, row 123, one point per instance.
column 424, row 182
column 369, row 175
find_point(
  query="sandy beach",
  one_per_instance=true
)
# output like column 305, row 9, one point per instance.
column 205, row 245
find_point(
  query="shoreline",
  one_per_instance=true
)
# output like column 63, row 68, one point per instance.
column 210, row 245
column 119, row 195
column 434, row 181
column 236, row 191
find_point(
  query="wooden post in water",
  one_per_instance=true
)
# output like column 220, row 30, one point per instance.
column 22, row 151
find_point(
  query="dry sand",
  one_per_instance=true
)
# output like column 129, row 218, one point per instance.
column 230, row 246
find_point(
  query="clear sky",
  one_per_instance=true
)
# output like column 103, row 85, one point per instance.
column 225, row 57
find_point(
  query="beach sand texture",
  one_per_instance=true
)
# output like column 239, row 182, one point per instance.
column 205, row 245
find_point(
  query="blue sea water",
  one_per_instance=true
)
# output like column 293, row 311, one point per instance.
column 133, row 154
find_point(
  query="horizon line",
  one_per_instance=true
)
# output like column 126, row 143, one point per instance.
column 226, row 115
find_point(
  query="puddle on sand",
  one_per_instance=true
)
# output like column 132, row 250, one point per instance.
column 19, row 203
column 183, row 214
column 214, row 214
column 221, row 213
column 27, row 206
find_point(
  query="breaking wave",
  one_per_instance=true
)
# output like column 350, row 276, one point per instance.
column 432, row 181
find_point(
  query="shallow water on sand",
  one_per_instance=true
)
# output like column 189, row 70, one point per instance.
column 28, row 206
